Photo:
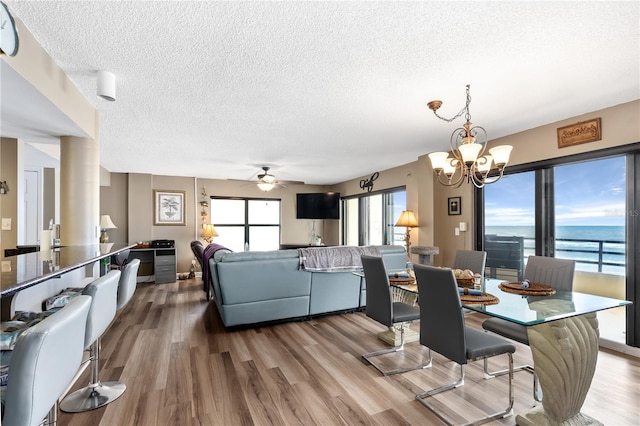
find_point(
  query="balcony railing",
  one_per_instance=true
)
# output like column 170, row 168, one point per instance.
column 590, row 255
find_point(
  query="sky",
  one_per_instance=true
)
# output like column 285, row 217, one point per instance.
column 586, row 194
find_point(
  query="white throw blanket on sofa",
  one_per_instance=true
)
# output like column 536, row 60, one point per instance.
column 334, row 259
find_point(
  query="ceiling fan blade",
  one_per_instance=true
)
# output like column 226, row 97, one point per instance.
column 290, row 182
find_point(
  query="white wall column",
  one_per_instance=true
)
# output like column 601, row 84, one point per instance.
column 79, row 190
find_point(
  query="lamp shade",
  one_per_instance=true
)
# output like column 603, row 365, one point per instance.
column 501, row 154
column 106, row 222
column 209, row 231
column 407, row 218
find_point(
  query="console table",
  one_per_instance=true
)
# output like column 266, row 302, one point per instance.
column 159, row 262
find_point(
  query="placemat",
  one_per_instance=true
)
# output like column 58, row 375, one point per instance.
column 534, row 289
column 483, row 299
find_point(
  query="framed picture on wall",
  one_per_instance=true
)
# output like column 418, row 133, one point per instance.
column 169, row 208
column 454, row 206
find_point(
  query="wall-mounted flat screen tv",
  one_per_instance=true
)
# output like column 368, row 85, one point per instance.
column 320, row 205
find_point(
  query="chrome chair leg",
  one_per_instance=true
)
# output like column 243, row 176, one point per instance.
column 398, row 348
column 459, row 382
column 537, row 392
column 97, row 393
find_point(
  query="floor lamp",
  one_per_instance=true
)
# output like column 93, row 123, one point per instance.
column 407, row 219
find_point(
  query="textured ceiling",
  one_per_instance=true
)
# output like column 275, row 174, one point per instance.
column 328, row 91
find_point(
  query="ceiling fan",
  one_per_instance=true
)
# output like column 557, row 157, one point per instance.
column 267, row 181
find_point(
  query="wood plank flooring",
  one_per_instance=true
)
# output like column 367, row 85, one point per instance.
column 182, row 367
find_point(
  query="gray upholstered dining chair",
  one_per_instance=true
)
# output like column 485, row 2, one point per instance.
column 104, row 303
column 382, row 308
column 443, row 330
column 554, row 272
column 470, row 259
column 45, row 360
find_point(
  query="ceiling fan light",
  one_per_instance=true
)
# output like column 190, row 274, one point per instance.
column 266, row 186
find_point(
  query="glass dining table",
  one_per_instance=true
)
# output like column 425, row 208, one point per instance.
column 562, row 329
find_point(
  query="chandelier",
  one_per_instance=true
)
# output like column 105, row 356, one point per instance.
column 468, row 162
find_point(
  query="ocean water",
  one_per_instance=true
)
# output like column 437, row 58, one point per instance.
column 584, row 244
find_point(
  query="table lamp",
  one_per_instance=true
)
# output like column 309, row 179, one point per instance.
column 105, row 223
column 408, row 219
column 208, row 232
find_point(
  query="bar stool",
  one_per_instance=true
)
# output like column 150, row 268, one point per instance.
column 104, row 293
column 128, row 282
column 45, row 360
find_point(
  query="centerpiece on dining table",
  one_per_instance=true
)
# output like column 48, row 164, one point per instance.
column 466, row 277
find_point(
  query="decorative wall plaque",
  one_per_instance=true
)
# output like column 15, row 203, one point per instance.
column 575, row 134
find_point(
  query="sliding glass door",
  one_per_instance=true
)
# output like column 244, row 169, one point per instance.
column 573, row 211
column 369, row 219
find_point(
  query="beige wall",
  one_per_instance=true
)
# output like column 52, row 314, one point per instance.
column 620, row 126
column 129, row 199
column 48, row 197
column 114, row 202
column 9, row 201
column 418, row 181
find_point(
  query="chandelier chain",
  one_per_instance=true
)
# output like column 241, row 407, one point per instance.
column 464, row 110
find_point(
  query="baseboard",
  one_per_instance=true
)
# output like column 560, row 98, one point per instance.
column 620, row 347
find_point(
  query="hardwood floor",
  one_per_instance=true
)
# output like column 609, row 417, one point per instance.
column 181, row 367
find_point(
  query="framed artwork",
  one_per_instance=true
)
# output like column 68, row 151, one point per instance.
column 454, row 206
column 169, row 207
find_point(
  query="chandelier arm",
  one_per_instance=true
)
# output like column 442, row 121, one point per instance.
column 450, row 181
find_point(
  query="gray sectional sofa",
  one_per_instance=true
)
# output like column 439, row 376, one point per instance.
column 255, row 287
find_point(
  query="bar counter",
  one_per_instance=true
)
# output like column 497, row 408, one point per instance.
column 26, row 270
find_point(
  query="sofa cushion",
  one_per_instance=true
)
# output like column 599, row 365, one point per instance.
column 265, row 279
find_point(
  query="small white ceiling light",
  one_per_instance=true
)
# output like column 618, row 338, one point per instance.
column 106, row 86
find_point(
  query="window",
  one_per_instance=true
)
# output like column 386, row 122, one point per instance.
column 369, row 219
column 589, row 211
column 580, row 216
column 244, row 223
column 582, row 208
column 509, row 232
